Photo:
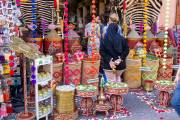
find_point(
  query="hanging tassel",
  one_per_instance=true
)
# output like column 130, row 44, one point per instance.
column 141, row 28
column 155, row 28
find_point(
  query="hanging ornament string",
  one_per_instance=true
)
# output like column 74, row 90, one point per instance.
column 18, row 3
column 166, row 33
column 11, row 64
column 34, row 21
column 93, row 29
column 33, row 74
column 67, row 81
column 178, row 30
column 146, row 2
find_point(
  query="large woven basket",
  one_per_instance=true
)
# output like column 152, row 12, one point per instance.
column 151, row 75
column 58, row 72
column 74, row 73
column 65, row 100
column 132, row 42
column 90, row 70
column 74, row 45
column 132, row 74
column 165, row 74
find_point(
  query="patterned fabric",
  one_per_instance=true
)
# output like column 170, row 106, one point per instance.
column 44, row 10
column 135, row 8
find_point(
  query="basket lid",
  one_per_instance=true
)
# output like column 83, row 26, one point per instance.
column 133, row 34
column 160, row 35
column 150, row 35
column 65, row 88
column 73, row 34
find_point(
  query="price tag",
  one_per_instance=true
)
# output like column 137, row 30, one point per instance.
column 175, row 66
column 147, row 69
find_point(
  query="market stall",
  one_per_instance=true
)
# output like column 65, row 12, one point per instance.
column 60, row 80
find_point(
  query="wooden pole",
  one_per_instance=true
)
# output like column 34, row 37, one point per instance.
column 23, row 63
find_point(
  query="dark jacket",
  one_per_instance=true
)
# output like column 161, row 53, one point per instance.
column 113, row 46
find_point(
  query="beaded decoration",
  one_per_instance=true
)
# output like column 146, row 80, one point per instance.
column 145, row 28
column 33, row 74
column 166, row 33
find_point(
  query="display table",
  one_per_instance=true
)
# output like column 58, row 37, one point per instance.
column 165, row 89
column 115, row 91
column 87, row 102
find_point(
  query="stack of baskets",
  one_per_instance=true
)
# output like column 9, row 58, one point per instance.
column 132, row 75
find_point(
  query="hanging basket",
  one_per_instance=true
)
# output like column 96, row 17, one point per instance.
column 74, row 73
column 165, row 74
column 90, row 71
column 132, row 74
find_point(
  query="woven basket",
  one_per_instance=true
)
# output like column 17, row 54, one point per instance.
column 53, row 46
column 57, row 72
column 149, row 41
column 74, row 73
column 132, row 42
column 165, row 74
column 90, row 70
column 74, row 45
column 151, row 75
column 132, row 74
column 65, row 101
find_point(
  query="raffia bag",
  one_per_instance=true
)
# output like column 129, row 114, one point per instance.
column 74, row 73
column 151, row 75
column 165, row 74
column 90, row 70
column 132, row 74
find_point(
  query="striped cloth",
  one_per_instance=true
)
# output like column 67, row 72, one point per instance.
column 135, row 8
column 43, row 9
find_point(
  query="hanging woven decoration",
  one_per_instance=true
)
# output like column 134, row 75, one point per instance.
column 166, row 33
column 146, row 2
column 67, row 81
column 178, row 61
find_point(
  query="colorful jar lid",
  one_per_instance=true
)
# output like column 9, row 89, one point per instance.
column 53, row 34
column 133, row 34
column 150, row 35
column 160, row 35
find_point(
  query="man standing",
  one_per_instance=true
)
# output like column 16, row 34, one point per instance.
column 113, row 18
column 176, row 96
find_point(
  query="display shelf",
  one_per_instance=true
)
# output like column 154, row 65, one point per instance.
column 43, row 75
column 44, row 82
column 45, row 115
column 45, row 98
